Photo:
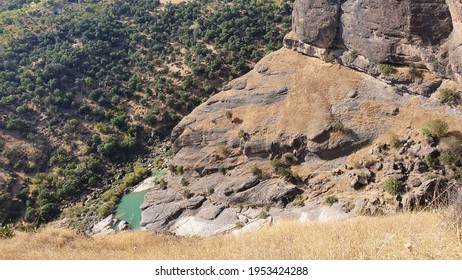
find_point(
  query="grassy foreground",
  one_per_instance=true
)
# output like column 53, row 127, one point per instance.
column 402, row 236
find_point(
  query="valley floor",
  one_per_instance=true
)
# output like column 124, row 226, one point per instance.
column 401, row 236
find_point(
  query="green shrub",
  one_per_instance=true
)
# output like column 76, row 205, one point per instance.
column 448, row 157
column 184, row 182
column 6, row 232
column 263, row 215
column 106, row 209
column 331, row 58
column 338, row 126
column 430, row 162
column 282, row 169
column 210, row 191
column 393, row 186
column 330, row 200
column 229, row 115
column 353, row 55
column 298, row 201
column 186, row 193
column 179, row 169
column 257, row 171
column 239, row 225
column 455, row 174
column 448, row 96
column 435, row 128
column 386, row 69
column 413, row 70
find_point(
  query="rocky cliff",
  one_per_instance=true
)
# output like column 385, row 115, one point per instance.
column 309, row 139
column 387, row 31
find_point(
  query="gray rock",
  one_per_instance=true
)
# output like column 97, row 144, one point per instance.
column 427, row 151
column 158, row 217
column 378, row 166
column 415, row 182
column 194, row 202
column 105, row 226
column 420, row 166
column 210, row 212
column 377, row 31
column 268, row 193
column 352, row 94
column 123, row 225
column 413, row 151
column 156, row 197
column 316, row 21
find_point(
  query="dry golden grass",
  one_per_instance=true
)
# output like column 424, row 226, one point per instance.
column 403, row 236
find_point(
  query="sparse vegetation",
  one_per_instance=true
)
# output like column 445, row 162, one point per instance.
column 360, row 239
column 243, row 135
column 6, row 231
column 450, row 150
column 449, row 96
column 331, row 58
column 263, row 215
column 229, row 115
column 298, row 201
column 222, row 151
column 184, row 182
column 257, row 171
column 338, row 126
column 386, row 69
column 352, row 54
column 435, row 128
column 239, row 225
column 413, row 70
column 430, row 162
column 393, row 186
column 282, row 169
column 186, row 193
column 330, row 200
column 394, row 141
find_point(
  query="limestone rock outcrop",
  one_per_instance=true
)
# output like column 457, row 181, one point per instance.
column 424, row 32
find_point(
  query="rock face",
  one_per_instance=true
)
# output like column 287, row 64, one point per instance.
column 292, row 138
column 424, row 32
column 451, row 51
column 316, row 22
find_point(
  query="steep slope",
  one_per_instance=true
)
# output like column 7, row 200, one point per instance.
column 91, row 89
column 312, row 139
column 271, row 140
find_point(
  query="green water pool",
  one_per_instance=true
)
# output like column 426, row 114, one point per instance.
column 129, row 209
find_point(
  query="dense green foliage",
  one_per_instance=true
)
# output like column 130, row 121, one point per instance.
column 393, row 186
column 91, row 85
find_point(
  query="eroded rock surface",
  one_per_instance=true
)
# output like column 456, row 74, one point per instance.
column 402, row 32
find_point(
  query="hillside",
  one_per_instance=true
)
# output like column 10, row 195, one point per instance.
column 89, row 88
column 350, row 118
column 357, row 113
column 397, row 237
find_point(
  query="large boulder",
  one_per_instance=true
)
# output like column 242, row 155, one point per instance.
column 316, row 21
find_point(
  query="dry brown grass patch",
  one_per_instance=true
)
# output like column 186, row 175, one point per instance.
column 402, row 236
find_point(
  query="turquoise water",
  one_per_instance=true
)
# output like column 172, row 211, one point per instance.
column 129, row 209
